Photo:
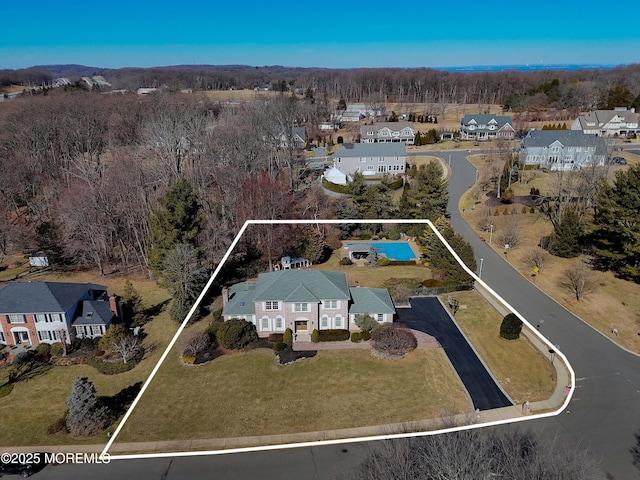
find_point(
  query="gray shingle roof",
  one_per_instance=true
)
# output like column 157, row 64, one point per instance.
column 393, row 126
column 241, row 299
column 94, row 312
column 45, row 297
column 372, row 150
column 371, row 300
column 285, row 286
column 568, row 138
column 485, row 118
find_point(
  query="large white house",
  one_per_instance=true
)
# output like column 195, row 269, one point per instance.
column 562, row 149
column 608, row 123
column 483, row 127
column 371, row 159
column 388, row 132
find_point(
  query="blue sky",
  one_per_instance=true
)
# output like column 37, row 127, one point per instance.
column 346, row 34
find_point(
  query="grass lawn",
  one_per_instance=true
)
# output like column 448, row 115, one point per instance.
column 523, row 372
column 609, row 302
column 35, row 404
column 248, row 394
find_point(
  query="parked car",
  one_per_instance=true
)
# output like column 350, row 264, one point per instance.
column 617, row 161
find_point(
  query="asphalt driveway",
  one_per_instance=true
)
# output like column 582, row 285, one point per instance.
column 427, row 315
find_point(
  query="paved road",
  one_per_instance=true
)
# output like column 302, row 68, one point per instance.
column 426, row 315
column 605, row 410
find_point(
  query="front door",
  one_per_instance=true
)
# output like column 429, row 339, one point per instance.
column 301, row 326
column 21, row 337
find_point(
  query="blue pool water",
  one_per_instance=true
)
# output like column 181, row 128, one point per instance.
column 393, row 250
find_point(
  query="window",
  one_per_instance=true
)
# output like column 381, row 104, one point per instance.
column 370, row 167
column 279, row 323
column 555, row 149
column 40, row 317
column 96, row 330
column 380, row 317
column 272, row 305
column 568, row 159
column 17, row 319
column 330, row 304
column 301, row 307
column 382, row 168
column 324, row 322
column 43, row 335
column 264, row 324
column 338, row 321
column 56, row 335
column 2, row 339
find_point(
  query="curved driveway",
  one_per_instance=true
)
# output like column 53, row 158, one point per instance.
column 427, row 315
column 604, row 413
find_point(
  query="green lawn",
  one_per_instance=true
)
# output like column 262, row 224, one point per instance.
column 248, row 394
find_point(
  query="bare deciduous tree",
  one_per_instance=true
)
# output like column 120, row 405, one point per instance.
column 511, row 232
column 536, row 257
column 125, row 346
column 577, row 279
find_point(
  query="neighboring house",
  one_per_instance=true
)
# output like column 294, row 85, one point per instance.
column 608, row 123
column 45, row 312
column 297, row 137
column 371, row 159
column 359, row 111
column 483, row 127
column 388, row 132
column 304, row 300
column 562, row 149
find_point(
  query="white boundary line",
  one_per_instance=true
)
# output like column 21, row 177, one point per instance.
column 335, row 441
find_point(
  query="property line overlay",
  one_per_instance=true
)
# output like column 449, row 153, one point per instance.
column 217, row 270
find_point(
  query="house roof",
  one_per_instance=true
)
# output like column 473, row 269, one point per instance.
column 335, row 176
column 285, row 286
column 601, row 117
column 45, row 297
column 241, row 299
column 94, row 312
column 371, row 300
column 485, row 118
column 394, row 126
column 356, row 150
column 568, row 138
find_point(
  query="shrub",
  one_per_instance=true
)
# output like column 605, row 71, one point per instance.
column 279, row 346
column 43, row 348
column 275, row 337
column 394, row 235
column 113, row 332
column 365, row 235
column 288, row 336
column 383, row 262
column 110, row 368
column 511, row 327
column 315, row 336
column 198, row 342
column 188, row 359
column 212, row 331
column 356, row 337
column 346, row 261
column 365, row 322
column 333, row 335
column 56, row 349
column 366, row 335
column 432, row 283
column 236, row 333
column 22, row 357
column 392, row 340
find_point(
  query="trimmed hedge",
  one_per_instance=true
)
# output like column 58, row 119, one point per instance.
column 111, row 368
column 334, row 187
column 235, row 334
column 510, row 327
column 275, row 338
column 287, row 338
column 346, row 261
column 315, row 336
column 365, row 335
column 279, row 346
column 356, row 337
column 383, row 262
column 432, row 283
column 335, row 335
column 188, row 359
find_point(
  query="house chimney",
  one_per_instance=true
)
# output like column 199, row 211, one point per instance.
column 225, row 296
column 113, row 304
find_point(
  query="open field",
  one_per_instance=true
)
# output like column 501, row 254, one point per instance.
column 248, row 394
column 523, row 372
column 35, row 404
column 609, row 303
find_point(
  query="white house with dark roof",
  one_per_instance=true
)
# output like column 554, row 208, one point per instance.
column 483, row 127
column 608, row 123
column 304, row 300
column 562, row 149
column 44, row 312
column 371, row 159
column 388, row 132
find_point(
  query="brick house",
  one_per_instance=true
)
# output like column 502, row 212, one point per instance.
column 304, row 300
column 46, row 312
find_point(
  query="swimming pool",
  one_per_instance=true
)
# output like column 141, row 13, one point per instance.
column 392, row 250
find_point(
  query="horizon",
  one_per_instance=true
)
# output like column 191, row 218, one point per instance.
column 121, row 35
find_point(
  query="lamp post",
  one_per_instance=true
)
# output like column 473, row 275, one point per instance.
column 480, row 269
column 449, row 160
column 490, row 233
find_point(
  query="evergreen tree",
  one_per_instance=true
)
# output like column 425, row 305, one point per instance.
column 132, row 304
column 313, row 245
column 177, row 220
column 378, row 200
column 567, row 235
column 87, row 415
column 617, row 221
column 428, row 197
column 619, row 95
